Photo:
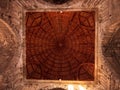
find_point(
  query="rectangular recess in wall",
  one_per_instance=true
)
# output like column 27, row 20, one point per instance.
column 60, row 45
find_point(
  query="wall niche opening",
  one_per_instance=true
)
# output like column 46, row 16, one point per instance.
column 57, row 1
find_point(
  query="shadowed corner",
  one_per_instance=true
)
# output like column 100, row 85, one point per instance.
column 57, row 89
column 111, row 51
column 57, row 1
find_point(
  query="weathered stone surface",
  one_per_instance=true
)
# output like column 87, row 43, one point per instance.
column 12, row 60
column 7, row 46
column 4, row 3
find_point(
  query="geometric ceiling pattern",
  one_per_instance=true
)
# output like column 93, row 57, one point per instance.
column 60, row 45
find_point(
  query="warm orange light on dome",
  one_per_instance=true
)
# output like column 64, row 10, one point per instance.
column 60, row 45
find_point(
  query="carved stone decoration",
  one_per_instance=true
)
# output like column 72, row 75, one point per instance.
column 111, row 49
column 7, row 44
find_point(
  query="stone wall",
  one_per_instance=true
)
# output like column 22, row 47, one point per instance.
column 11, row 11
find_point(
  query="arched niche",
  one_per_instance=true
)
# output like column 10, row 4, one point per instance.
column 57, row 1
column 7, row 45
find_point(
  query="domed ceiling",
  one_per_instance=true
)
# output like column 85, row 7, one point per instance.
column 60, row 45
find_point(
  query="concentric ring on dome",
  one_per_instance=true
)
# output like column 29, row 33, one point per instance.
column 60, row 45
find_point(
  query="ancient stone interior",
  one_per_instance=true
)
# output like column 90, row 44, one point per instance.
column 15, row 35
